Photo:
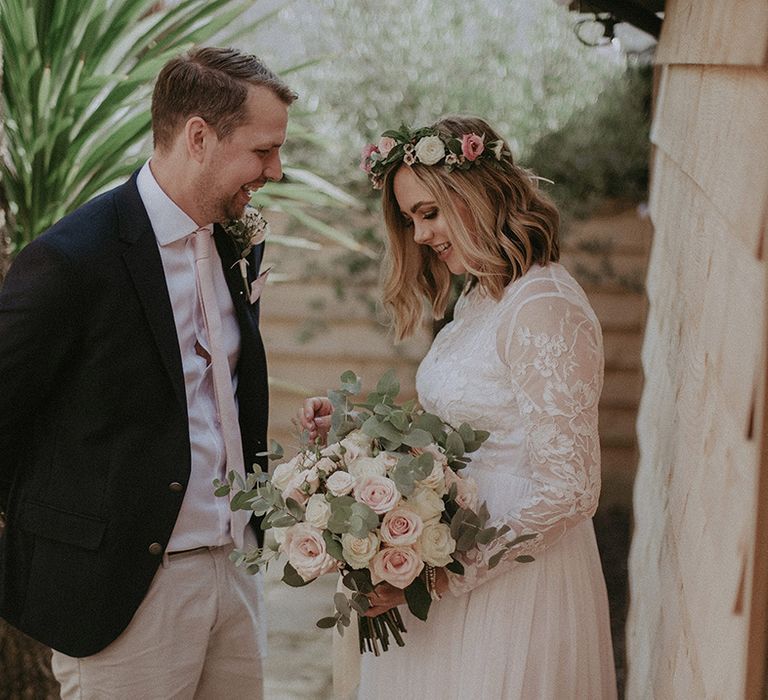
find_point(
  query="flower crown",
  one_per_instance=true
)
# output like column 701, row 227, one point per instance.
column 427, row 147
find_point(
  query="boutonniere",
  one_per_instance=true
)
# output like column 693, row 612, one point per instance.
column 246, row 233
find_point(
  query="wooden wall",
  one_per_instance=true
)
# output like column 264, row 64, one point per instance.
column 696, row 625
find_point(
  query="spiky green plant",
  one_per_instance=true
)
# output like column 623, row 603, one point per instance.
column 75, row 99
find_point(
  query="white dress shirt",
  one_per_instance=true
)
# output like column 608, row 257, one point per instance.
column 204, row 518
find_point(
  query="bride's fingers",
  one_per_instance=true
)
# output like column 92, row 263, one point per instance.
column 315, row 413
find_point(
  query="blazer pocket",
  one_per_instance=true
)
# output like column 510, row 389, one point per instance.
column 61, row 526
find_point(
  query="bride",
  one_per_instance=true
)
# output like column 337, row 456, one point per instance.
column 523, row 359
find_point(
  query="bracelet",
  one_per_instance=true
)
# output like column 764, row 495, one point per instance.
column 431, row 580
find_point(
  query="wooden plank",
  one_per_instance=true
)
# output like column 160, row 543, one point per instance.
column 714, row 32
column 696, row 480
column 713, row 122
column 756, row 684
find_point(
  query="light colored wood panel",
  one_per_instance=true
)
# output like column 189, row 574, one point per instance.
column 339, row 340
column 714, row 32
column 713, row 123
column 618, row 310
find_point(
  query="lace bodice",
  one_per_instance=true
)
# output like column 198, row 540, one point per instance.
column 529, row 369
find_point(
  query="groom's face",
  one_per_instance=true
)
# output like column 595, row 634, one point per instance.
column 245, row 160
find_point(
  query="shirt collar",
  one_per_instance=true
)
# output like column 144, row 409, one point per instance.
column 169, row 222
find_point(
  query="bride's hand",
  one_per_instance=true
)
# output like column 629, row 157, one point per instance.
column 315, row 417
column 386, row 596
column 383, row 598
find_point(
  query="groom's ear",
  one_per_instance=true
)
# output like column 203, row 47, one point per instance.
column 197, row 138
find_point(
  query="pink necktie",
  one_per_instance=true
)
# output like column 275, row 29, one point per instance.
column 222, row 379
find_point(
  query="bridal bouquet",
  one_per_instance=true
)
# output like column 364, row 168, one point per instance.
column 384, row 501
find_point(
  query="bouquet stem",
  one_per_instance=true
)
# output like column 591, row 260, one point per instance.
column 375, row 631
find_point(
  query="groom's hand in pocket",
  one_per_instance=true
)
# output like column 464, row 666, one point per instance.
column 315, row 417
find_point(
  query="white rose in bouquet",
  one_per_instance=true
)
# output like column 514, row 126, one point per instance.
column 317, row 511
column 435, row 480
column 466, row 489
column 356, row 444
column 436, row 545
column 283, row 473
column 325, row 465
column 426, row 503
column 401, row 526
column 359, row 551
column 302, row 485
column 388, row 460
column 366, row 466
column 377, row 492
column 305, row 548
column 340, row 483
column 398, row 566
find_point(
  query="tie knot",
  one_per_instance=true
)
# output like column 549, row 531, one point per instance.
column 202, row 239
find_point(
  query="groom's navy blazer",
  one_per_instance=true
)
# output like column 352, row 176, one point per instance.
column 94, row 440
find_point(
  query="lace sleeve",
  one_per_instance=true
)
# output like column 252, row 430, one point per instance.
column 552, row 348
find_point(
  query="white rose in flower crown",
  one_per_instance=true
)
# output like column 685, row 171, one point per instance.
column 359, row 551
column 377, row 492
column 340, row 483
column 436, row 545
column 398, row 566
column 366, row 466
column 401, row 526
column 317, row 511
column 426, row 503
column 429, row 150
column 283, row 473
column 356, row 444
column 305, row 548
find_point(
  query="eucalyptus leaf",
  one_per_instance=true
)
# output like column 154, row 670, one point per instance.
column 417, row 438
column 292, row 577
column 418, row 599
column 524, row 558
column 496, row 558
column 454, row 444
column 333, row 546
column 388, row 385
column 326, row 623
column 342, row 603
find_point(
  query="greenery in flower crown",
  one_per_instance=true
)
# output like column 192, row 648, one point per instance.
column 426, row 146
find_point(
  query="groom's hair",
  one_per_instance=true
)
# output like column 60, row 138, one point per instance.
column 211, row 83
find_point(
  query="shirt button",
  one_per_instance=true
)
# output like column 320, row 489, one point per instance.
column 155, row 548
column 176, row 487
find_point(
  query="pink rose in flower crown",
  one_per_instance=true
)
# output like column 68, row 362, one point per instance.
column 368, row 151
column 398, row 566
column 386, row 144
column 472, row 146
column 401, row 526
column 305, row 548
column 377, row 492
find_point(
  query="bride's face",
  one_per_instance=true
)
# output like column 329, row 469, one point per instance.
column 425, row 219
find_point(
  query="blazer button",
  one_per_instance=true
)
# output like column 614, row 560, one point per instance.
column 155, row 548
column 176, row 487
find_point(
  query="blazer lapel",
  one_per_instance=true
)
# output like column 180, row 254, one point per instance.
column 142, row 258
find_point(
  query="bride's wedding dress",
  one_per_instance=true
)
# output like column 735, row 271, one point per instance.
column 529, row 369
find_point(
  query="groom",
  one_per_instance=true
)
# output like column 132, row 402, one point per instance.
column 132, row 374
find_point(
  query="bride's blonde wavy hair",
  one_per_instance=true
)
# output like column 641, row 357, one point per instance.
column 508, row 224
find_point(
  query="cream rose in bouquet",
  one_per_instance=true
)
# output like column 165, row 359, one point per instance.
column 383, row 502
